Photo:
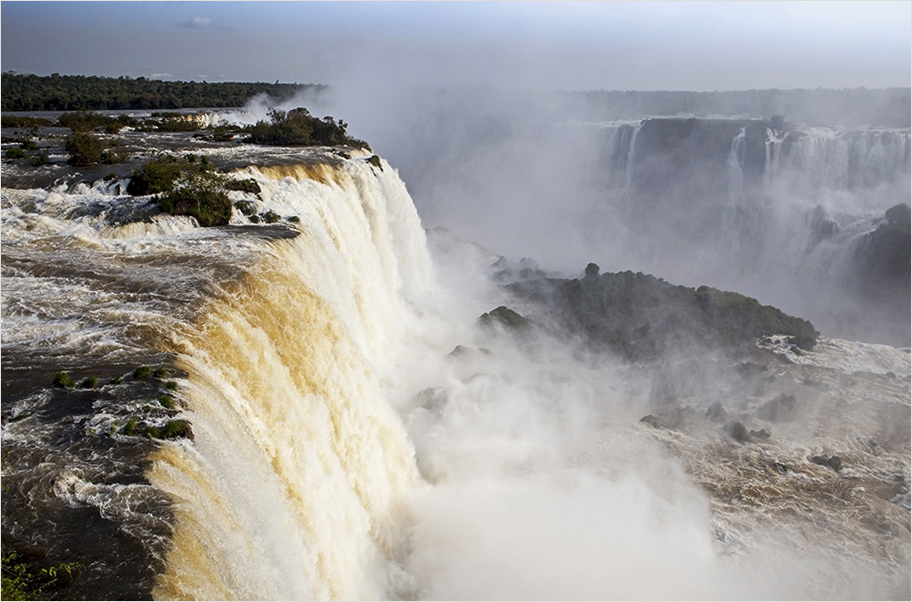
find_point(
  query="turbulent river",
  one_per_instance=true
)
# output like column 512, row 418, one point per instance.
column 356, row 435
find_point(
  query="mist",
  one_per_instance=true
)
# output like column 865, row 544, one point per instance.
column 540, row 481
column 547, row 176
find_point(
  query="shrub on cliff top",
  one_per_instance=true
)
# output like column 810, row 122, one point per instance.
column 298, row 128
column 162, row 172
column 199, row 195
column 186, row 186
column 86, row 149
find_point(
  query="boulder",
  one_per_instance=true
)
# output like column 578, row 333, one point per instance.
column 780, row 409
column 651, row 421
column 716, row 413
column 883, row 254
column 833, row 462
column 737, row 431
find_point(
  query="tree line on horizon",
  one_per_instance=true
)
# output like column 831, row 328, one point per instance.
column 83, row 93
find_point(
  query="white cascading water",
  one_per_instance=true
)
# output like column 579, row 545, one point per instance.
column 291, row 486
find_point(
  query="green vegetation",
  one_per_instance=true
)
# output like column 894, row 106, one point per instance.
column 222, row 133
column 130, row 428
column 15, row 152
column 249, row 186
column 90, row 382
column 64, row 381
column 200, row 195
column 270, row 217
column 87, row 121
column 160, row 373
column 76, row 92
column 172, row 430
column 142, row 373
column 171, row 385
column 298, row 128
column 39, row 159
column 23, row 580
column 160, row 174
column 246, row 207
column 186, row 186
column 21, row 121
column 166, row 401
column 738, row 318
column 86, row 150
column 375, row 161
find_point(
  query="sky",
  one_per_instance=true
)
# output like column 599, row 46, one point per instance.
column 699, row 46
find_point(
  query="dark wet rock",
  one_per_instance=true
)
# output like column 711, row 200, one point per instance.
column 716, row 413
column 762, row 434
column 883, row 255
column 900, row 215
column 651, row 421
column 461, row 352
column 692, row 154
column 506, row 317
column 248, row 208
column 640, row 317
column 822, row 227
column 833, row 462
column 433, row 399
column 737, row 431
column 781, row 409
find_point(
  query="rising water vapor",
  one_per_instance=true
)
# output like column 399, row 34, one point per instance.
column 726, row 191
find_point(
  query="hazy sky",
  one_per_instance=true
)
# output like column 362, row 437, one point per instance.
column 560, row 45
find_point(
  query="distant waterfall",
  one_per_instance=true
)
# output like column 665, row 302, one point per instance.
column 822, row 158
column 735, row 171
column 619, row 145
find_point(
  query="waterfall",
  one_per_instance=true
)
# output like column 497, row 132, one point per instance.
column 821, row 160
column 630, row 156
column 291, row 486
column 288, row 341
column 735, row 169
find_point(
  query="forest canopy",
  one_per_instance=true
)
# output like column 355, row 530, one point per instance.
column 78, row 92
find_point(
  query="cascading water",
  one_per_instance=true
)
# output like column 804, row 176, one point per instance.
column 290, row 341
column 290, row 400
column 735, row 169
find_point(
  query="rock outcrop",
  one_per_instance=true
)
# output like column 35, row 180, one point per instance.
column 641, row 316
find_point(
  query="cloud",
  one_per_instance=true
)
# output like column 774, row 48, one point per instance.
column 161, row 76
column 203, row 23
